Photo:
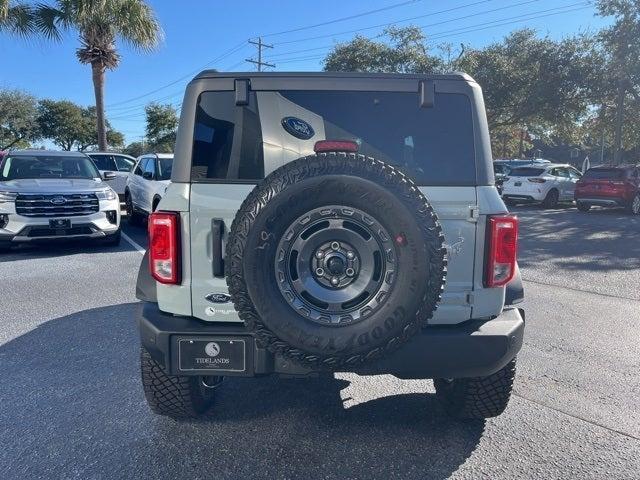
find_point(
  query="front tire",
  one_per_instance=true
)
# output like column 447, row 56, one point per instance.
column 177, row 397
column 477, row 397
column 133, row 217
column 634, row 206
column 551, row 200
column 583, row 207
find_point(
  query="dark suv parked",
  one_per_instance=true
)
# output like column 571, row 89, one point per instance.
column 609, row 186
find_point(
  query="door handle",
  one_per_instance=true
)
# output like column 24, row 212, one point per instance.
column 217, row 232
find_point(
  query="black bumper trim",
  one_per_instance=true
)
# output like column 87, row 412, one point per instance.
column 475, row 348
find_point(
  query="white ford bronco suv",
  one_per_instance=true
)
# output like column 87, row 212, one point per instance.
column 326, row 222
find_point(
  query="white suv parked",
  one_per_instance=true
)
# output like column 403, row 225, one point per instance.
column 546, row 184
column 118, row 163
column 47, row 195
column 146, row 184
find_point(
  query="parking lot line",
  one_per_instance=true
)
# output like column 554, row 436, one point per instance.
column 133, row 243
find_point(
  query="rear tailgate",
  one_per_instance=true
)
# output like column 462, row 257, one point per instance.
column 232, row 146
column 455, row 208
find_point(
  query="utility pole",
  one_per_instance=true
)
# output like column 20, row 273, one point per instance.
column 259, row 62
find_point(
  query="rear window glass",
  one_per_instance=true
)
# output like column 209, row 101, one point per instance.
column 604, row 174
column 433, row 145
column 526, row 172
column 165, row 166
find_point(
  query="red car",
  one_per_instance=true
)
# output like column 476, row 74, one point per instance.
column 609, row 186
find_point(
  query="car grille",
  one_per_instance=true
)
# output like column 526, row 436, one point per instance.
column 60, row 205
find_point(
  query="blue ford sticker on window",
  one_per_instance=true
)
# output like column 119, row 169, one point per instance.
column 298, row 128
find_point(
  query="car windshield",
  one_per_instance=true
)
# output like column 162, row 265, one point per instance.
column 604, row 174
column 47, row 166
column 526, row 172
column 164, row 168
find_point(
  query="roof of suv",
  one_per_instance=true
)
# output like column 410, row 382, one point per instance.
column 50, row 153
column 448, row 76
column 158, row 155
column 108, row 153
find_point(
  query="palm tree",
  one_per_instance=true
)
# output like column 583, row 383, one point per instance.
column 16, row 18
column 99, row 23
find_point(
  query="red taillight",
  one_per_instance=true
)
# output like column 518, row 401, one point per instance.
column 164, row 247
column 335, row 146
column 536, row 180
column 502, row 252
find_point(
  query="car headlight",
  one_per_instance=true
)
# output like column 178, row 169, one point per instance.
column 107, row 194
column 7, row 197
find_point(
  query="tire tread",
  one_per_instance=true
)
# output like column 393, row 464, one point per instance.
column 325, row 164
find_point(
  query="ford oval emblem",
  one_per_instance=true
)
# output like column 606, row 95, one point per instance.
column 298, row 128
column 218, row 298
column 58, row 200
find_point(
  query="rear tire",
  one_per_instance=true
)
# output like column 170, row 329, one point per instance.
column 478, row 397
column 583, row 207
column 133, row 217
column 551, row 200
column 634, row 206
column 177, row 397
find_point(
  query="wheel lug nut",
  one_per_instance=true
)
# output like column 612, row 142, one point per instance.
column 350, row 272
column 335, row 281
column 319, row 272
column 350, row 255
column 335, row 246
column 319, row 254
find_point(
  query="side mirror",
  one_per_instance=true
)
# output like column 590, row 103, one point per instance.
column 108, row 176
column 147, row 175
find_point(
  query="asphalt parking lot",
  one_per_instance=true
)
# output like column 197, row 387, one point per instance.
column 72, row 405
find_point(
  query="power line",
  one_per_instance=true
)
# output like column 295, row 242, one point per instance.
column 189, row 75
column 433, row 36
column 342, row 19
column 484, row 12
column 471, row 28
column 439, row 12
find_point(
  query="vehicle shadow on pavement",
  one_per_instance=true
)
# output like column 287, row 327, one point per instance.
column 60, row 249
column 72, row 407
column 599, row 240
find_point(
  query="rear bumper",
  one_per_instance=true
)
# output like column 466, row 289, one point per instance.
column 523, row 197
column 475, row 348
column 602, row 201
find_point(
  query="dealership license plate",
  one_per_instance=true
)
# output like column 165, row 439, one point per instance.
column 60, row 223
column 211, row 355
column 518, row 184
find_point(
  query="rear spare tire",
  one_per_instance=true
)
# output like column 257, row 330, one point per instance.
column 335, row 259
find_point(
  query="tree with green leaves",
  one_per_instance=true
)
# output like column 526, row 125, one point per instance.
column 405, row 52
column 162, row 124
column 621, row 85
column 71, row 126
column 135, row 149
column 18, row 119
column 100, row 24
column 532, row 85
column 16, row 18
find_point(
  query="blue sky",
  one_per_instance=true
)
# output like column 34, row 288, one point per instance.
column 213, row 34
